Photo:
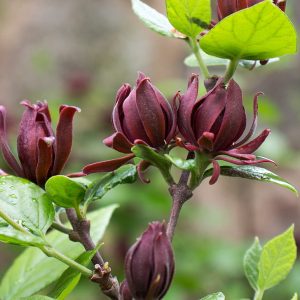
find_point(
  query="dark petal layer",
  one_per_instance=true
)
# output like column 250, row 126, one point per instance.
column 7, row 153
column 216, row 172
column 186, row 105
column 30, row 131
column 117, row 114
column 45, row 155
column 206, row 114
column 151, row 113
column 254, row 144
column 206, row 141
column 234, row 119
column 64, row 136
column 254, row 122
column 244, row 162
column 132, row 124
column 107, row 165
column 119, row 142
column 171, row 134
column 124, row 291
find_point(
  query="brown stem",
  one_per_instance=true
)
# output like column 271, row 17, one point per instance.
column 102, row 275
column 180, row 194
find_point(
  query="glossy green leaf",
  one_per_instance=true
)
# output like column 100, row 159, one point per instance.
column 215, row 296
column 124, row 175
column 277, row 259
column 148, row 154
column 189, row 17
column 295, row 297
column 70, row 278
column 251, row 260
column 64, row 191
column 10, row 235
column 254, row 173
column 33, row 270
column 209, row 60
column 38, row 297
column 152, row 18
column 26, row 203
column 260, row 32
column 188, row 164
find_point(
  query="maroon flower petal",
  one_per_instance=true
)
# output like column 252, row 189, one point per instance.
column 208, row 112
column 64, row 136
column 234, row 118
column 254, row 144
column 45, row 154
column 150, row 113
column 107, row 165
column 122, row 94
column 119, row 142
column 7, row 154
column 185, row 109
column 216, row 172
column 173, row 120
column 244, row 162
column 254, row 122
column 187, row 146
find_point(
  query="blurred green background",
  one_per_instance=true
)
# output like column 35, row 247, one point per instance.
column 80, row 52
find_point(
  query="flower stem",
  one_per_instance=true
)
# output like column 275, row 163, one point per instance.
column 11, row 222
column 231, row 68
column 61, row 228
column 258, row 295
column 68, row 261
column 196, row 50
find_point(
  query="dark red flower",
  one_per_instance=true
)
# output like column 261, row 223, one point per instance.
column 215, row 123
column 228, row 7
column 149, row 264
column 141, row 115
column 42, row 153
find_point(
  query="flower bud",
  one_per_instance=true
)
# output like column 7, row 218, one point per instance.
column 215, row 123
column 141, row 115
column 149, row 264
column 42, row 153
column 228, row 7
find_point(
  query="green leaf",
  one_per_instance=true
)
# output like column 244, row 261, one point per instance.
column 123, row 175
column 277, row 259
column 188, row 164
column 64, row 191
column 191, row 61
column 251, row 260
column 146, row 153
column 10, row 235
column 215, row 296
column 152, row 18
column 189, row 17
column 38, row 297
column 26, row 203
column 254, row 173
column 260, row 32
column 33, row 270
column 70, row 278
column 295, row 297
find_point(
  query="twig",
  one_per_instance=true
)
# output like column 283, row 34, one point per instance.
column 102, row 275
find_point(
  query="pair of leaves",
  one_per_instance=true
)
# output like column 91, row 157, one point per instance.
column 266, row 266
column 260, row 32
column 67, row 192
column 189, row 17
column 27, row 205
column 33, row 270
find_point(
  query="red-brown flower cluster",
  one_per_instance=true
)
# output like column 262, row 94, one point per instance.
column 42, row 153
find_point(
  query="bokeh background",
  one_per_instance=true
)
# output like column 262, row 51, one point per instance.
column 80, row 52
